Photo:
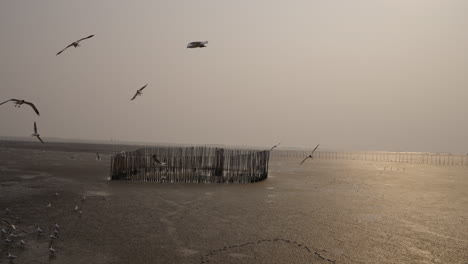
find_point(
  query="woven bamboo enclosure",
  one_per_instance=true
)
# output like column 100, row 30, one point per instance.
column 191, row 165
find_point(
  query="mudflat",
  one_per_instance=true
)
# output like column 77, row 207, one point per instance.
column 336, row 211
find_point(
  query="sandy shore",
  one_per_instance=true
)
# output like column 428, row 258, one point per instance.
column 322, row 212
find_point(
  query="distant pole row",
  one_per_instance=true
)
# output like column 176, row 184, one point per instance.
column 400, row 157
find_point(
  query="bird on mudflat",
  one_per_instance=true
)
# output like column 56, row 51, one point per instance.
column 311, row 155
column 98, row 157
column 139, row 92
column 37, row 135
column 75, row 44
column 8, row 223
column 197, row 44
column 19, row 103
column 11, row 256
column 275, row 146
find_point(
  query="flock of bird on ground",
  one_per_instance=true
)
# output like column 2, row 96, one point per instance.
column 13, row 234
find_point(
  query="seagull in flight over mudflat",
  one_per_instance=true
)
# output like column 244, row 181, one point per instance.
column 275, row 146
column 36, row 134
column 311, row 154
column 18, row 103
column 156, row 161
column 138, row 92
column 197, row 44
column 75, row 44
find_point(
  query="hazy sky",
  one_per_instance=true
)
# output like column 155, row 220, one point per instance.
column 361, row 74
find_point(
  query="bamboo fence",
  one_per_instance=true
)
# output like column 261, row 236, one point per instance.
column 191, row 165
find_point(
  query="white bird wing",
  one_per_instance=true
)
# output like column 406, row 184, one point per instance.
column 33, row 107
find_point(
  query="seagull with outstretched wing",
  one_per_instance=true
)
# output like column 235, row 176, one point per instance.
column 275, row 146
column 139, row 92
column 197, row 44
column 36, row 134
column 157, row 162
column 18, row 103
column 311, row 155
column 75, row 44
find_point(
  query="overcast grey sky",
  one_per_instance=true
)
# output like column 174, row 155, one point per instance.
column 361, row 74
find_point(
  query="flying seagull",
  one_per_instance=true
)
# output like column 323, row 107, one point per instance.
column 75, row 44
column 18, row 103
column 275, row 146
column 197, row 44
column 311, row 155
column 37, row 135
column 138, row 92
column 157, row 162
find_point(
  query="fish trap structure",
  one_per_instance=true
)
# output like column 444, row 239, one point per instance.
column 191, row 165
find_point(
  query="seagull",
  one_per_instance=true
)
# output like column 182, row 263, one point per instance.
column 7, row 240
column 75, row 44
column 83, row 198
column 197, row 44
column 310, row 156
column 36, row 134
column 57, row 226
column 98, row 157
column 76, row 208
column 38, row 230
column 11, row 257
column 18, row 103
column 52, row 236
column 52, row 250
column 3, row 230
column 275, row 146
column 138, row 92
column 8, row 223
column 157, row 162
column 56, row 194
column 22, row 242
column 56, row 232
column 7, row 210
column 80, row 213
column 49, row 205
